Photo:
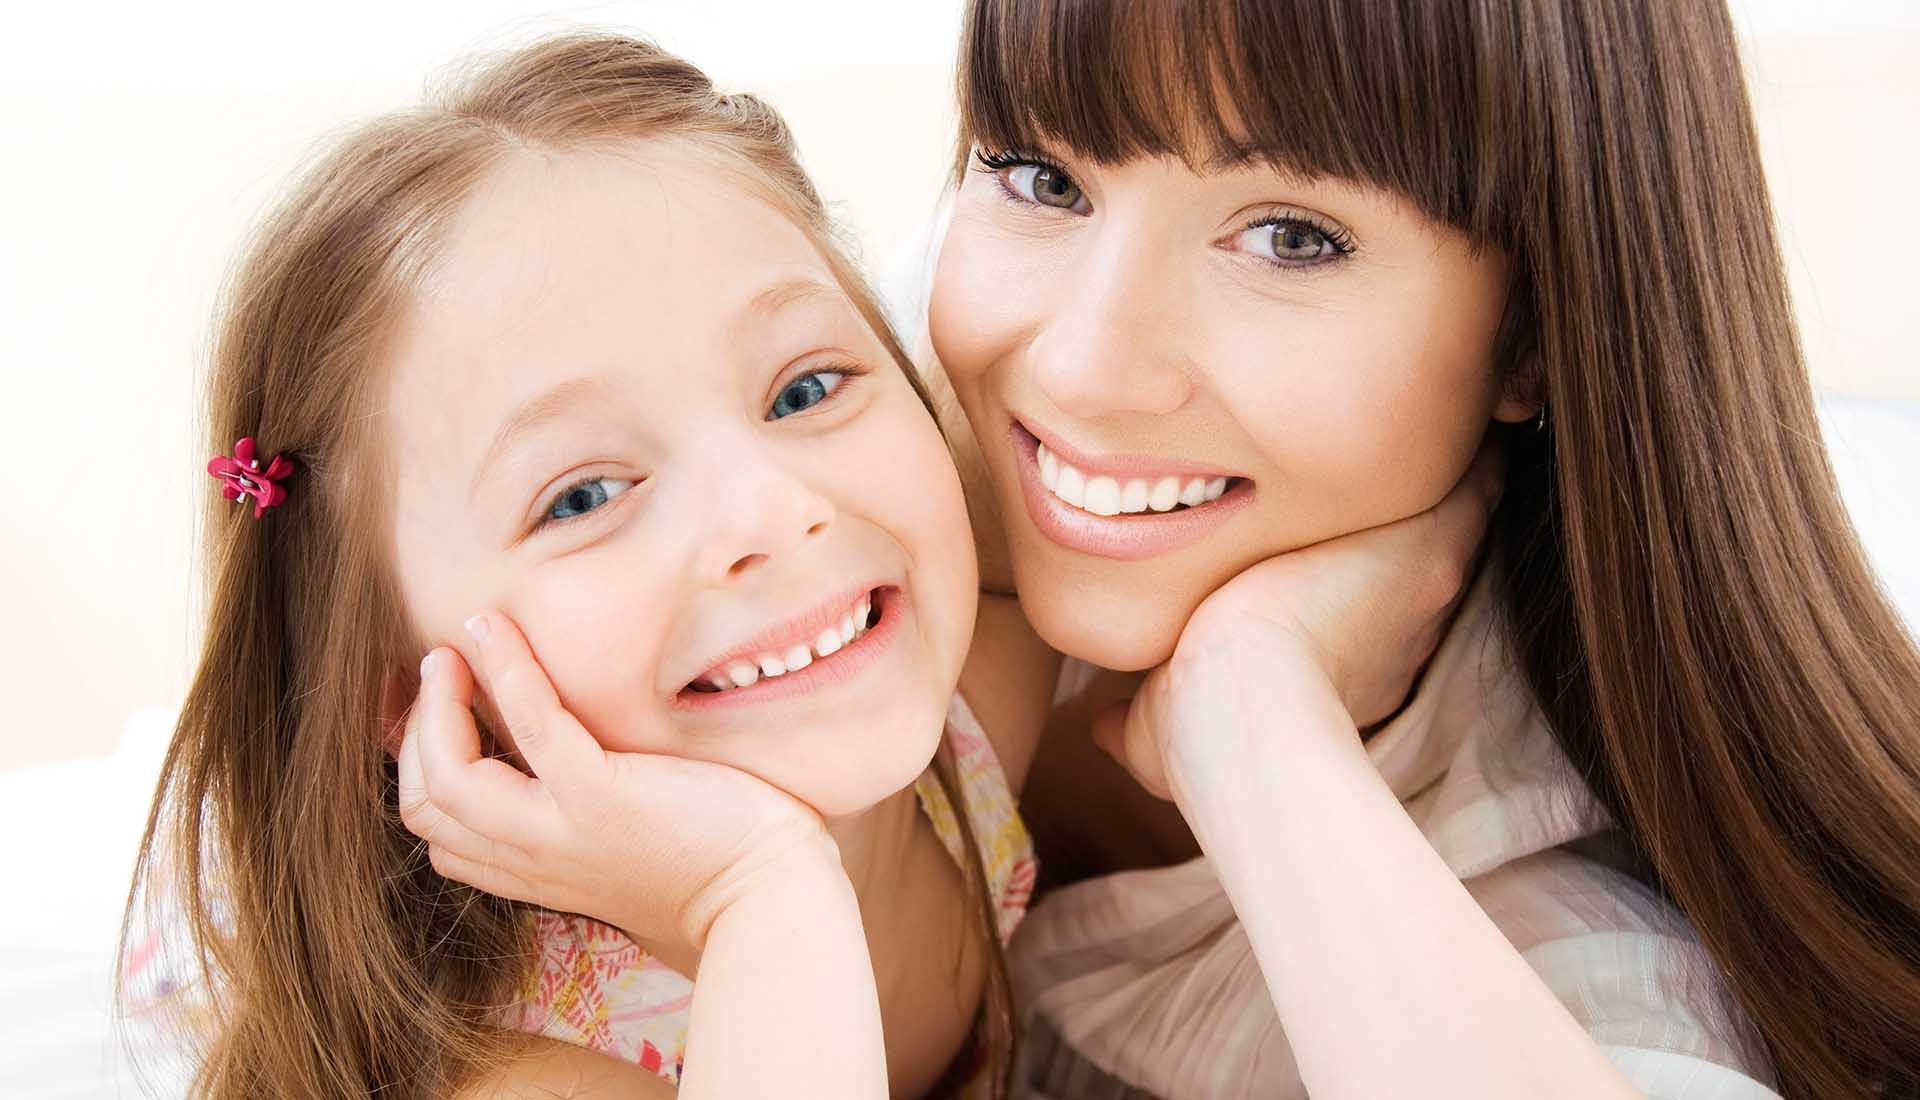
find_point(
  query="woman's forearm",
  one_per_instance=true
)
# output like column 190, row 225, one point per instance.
column 785, row 1003
column 1388, row 977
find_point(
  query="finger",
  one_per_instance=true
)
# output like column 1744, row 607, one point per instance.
column 1121, row 730
column 555, row 746
column 484, row 795
column 484, row 875
column 1455, row 532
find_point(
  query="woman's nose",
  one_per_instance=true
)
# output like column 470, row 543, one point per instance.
column 1110, row 342
column 757, row 513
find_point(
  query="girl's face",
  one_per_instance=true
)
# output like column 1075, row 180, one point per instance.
column 634, row 410
column 1175, row 375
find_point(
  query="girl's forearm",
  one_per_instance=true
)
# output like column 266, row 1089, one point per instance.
column 1388, row 977
column 785, row 1003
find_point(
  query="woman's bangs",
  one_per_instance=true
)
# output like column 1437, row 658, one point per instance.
column 1373, row 93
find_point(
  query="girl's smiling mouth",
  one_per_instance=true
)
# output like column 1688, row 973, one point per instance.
column 828, row 645
column 1122, row 508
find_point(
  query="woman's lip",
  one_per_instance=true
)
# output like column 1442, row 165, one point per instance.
column 1121, row 467
column 844, row 664
column 1130, row 536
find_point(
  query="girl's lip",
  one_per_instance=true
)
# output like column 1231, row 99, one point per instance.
column 891, row 605
column 1125, row 537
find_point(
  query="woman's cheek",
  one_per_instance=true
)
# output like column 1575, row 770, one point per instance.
column 976, row 302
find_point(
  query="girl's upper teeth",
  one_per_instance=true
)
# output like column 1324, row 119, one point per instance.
column 793, row 658
column 1106, row 496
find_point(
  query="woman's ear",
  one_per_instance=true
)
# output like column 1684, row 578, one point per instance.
column 1518, row 403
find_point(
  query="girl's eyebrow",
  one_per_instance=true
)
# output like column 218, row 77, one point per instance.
column 552, row 402
column 786, row 292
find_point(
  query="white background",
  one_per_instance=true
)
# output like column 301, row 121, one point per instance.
column 137, row 142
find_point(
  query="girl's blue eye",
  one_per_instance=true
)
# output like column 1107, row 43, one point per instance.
column 584, row 496
column 805, row 392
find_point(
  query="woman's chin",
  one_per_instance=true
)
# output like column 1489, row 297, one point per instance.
column 1127, row 635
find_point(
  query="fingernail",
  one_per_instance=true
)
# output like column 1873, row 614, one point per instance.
column 426, row 667
column 479, row 628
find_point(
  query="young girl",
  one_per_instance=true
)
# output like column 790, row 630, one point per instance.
column 1649, row 821
column 562, row 378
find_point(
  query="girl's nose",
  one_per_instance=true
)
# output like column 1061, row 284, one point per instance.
column 758, row 512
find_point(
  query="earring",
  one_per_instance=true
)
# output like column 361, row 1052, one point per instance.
column 1540, row 420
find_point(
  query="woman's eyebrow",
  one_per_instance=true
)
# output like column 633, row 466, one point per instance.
column 548, row 404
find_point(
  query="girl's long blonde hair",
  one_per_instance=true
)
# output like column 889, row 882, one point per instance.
column 1689, row 601
column 339, row 963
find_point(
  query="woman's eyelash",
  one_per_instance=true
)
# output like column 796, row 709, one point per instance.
column 993, row 163
column 999, row 161
column 1340, row 239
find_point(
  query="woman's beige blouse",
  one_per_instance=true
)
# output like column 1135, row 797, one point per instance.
column 1144, row 984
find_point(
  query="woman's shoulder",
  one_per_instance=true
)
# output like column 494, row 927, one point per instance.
column 1627, row 965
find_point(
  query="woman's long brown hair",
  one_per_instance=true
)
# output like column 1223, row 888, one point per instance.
column 1690, row 602
column 337, row 963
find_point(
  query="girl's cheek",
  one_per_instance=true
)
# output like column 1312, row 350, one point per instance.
column 596, row 629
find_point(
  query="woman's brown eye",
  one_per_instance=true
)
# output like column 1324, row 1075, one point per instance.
column 1294, row 241
column 1291, row 242
column 1046, row 186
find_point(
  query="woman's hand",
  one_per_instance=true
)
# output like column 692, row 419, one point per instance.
column 1349, row 622
column 656, row 845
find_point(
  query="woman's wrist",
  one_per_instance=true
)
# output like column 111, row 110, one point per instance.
column 1279, row 727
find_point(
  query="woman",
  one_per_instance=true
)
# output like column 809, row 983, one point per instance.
column 1234, row 287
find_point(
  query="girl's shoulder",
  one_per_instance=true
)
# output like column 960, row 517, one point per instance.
column 537, row 1067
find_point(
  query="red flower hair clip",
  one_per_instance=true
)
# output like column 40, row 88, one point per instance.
column 244, row 478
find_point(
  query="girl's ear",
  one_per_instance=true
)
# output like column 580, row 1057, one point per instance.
column 398, row 690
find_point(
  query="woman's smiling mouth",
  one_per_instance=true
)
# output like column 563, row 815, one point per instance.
column 1122, row 508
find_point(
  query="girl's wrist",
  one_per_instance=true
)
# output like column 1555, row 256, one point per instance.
column 807, row 874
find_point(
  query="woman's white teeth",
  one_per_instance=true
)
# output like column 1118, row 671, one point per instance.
column 1106, row 496
column 793, row 658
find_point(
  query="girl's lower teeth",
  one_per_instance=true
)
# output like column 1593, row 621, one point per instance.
column 1106, row 496
column 746, row 673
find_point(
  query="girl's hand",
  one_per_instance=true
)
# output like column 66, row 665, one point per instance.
column 657, row 846
column 1347, row 623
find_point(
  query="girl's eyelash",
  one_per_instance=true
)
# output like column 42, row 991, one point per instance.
column 547, row 520
column 851, row 370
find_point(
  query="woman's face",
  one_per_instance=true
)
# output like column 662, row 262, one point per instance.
column 634, row 410
column 1174, row 376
